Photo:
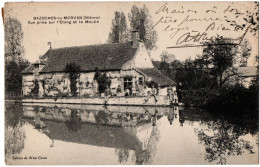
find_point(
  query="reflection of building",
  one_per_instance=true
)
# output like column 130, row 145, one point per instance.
column 103, row 128
column 127, row 65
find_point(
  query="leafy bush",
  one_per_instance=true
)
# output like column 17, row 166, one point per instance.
column 73, row 69
column 35, row 89
column 103, row 81
column 13, row 76
column 196, row 97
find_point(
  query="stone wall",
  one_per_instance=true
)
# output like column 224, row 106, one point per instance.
column 58, row 84
column 135, row 101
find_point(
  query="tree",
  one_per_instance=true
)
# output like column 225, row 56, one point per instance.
column 220, row 55
column 188, row 63
column 103, row 82
column 13, row 76
column 35, row 90
column 73, row 69
column 140, row 19
column 14, row 63
column 164, row 56
column 245, row 52
column 164, row 65
column 157, row 64
column 255, row 82
column 119, row 31
column 13, row 39
column 176, row 64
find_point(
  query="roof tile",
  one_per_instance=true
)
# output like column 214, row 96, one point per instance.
column 104, row 57
column 157, row 76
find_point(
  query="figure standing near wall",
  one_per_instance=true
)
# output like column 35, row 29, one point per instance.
column 175, row 97
column 118, row 90
column 171, row 115
column 170, row 93
column 154, row 92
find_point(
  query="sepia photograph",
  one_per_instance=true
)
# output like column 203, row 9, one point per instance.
column 131, row 83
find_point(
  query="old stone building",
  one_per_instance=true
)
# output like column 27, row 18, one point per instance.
column 127, row 65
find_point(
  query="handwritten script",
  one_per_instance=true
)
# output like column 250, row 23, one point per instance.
column 193, row 27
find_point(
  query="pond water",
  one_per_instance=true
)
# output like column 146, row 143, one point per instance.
column 95, row 134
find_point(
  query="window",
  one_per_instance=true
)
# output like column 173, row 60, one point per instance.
column 128, row 83
column 141, row 81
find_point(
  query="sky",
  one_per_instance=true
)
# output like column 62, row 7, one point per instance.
column 188, row 17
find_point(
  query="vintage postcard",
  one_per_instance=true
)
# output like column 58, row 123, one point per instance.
column 131, row 83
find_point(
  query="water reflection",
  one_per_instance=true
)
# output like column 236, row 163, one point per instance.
column 133, row 128
column 14, row 135
column 146, row 156
column 222, row 137
column 137, row 135
column 123, row 155
column 74, row 123
column 221, row 140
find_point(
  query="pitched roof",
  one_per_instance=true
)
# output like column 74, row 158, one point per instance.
column 157, row 76
column 242, row 72
column 91, row 134
column 28, row 70
column 247, row 71
column 38, row 62
column 104, row 57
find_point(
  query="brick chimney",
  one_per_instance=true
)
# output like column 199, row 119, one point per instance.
column 38, row 65
column 135, row 38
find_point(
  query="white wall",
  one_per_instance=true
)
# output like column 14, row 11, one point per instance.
column 28, row 83
column 140, row 60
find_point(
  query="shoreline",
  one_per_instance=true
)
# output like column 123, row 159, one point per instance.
column 162, row 101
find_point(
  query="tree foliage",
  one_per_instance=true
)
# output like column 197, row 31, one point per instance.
column 119, row 32
column 223, row 142
column 245, row 52
column 35, row 89
column 140, row 19
column 219, row 55
column 14, row 63
column 103, row 80
column 73, row 69
column 13, row 76
column 13, row 39
column 164, row 56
